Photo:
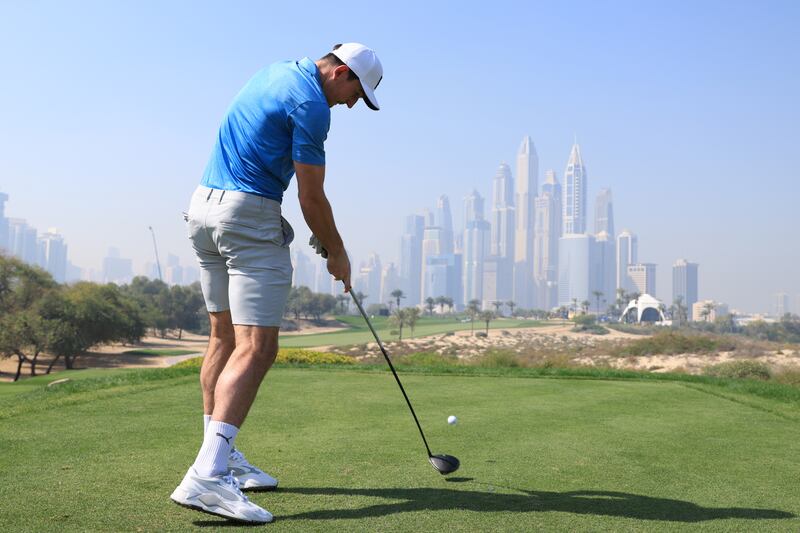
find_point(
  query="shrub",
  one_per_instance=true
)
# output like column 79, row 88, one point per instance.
column 289, row 356
column 747, row 369
column 790, row 375
column 498, row 359
column 427, row 359
column 669, row 342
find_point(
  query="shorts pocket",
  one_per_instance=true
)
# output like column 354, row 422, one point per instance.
column 287, row 231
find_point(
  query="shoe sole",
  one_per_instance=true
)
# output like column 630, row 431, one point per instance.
column 218, row 515
column 266, row 488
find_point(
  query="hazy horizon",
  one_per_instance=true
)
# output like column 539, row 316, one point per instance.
column 688, row 113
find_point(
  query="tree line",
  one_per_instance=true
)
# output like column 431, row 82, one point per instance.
column 40, row 316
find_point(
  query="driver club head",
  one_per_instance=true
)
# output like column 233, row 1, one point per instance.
column 445, row 464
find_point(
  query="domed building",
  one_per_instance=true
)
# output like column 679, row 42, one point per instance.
column 645, row 308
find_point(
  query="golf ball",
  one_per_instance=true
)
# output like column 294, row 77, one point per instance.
column 452, row 420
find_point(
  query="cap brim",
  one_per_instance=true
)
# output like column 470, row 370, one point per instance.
column 369, row 97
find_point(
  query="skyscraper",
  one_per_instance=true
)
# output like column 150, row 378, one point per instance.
column 431, row 248
column 54, row 257
column 627, row 254
column 782, row 304
column 574, row 268
column 389, row 283
column 643, row 278
column 684, row 284
column 303, row 271
column 502, row 214
column 444, row 219
column 574, row 207
column 526, row 185
column 118, row 269
column 604, row 271
column 604, row 213
column 22, row 241
column 547, row 231
column 476, row 247
column 411, row 258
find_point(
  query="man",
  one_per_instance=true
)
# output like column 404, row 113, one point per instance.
column 274, row 129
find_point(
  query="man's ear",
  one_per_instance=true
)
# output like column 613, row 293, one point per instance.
column 339, row 71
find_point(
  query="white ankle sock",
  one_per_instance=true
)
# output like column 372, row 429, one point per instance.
column 212, row 459
column 206, row 420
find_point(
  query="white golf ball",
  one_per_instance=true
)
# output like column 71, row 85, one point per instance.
column 452, row 420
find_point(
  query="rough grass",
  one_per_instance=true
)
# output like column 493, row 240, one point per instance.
column 537, row 454
column 671, row 342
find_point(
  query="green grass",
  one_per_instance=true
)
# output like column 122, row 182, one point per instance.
column 358, row 332
column 163, row 351
column 570, row 454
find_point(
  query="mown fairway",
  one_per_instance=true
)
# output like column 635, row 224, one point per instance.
column 358, row 332
column 537, row 455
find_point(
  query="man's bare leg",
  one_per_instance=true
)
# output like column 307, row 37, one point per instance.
column 237, row 384
column 221, row 343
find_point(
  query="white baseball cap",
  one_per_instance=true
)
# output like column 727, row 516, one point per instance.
column 365, row 64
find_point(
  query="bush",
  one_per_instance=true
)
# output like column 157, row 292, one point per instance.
column 747, row 369
column 427, row 359
column 671, row 343
column 289, row 356
column 498, row 359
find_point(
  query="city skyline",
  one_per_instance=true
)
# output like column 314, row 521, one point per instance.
column 680, row 129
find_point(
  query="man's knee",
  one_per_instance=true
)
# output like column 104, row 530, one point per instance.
column 258, row 345
column 222, row 330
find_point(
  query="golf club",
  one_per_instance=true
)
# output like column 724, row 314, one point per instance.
column 445, row 464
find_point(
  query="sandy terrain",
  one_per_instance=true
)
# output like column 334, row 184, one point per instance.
column 556, row 340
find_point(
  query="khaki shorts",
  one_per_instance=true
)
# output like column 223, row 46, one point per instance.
column 242, row 246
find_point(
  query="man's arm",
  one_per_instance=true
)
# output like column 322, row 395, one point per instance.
column 319, row 217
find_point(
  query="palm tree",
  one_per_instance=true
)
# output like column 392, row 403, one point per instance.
column 487, row 316
column 397, row 294
column 574, row 306
column 708, row 308
column 473, row 308
column 399, row 319
column 498, row 305
column 597, row 295
column 511, row 305
column 343, row 302
column 585, row 306
column 361, row 297
column 430, row 303
column 412, row 315
column 441, row 301
column 449, row 303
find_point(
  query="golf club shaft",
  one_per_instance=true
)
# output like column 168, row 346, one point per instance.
column 391, row 367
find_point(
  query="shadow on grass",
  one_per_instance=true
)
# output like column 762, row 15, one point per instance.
column 585, row 502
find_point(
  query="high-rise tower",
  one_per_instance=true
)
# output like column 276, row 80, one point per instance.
column 575, row 193
column 684, row 284
column 502, row 213
column 444, row 219
column 547, row 231
column 526, row 184
column 411, row 258
column 627, row 254
column 604, row 213
column 476, row 247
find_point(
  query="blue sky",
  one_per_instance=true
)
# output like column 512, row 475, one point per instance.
column 688, row 111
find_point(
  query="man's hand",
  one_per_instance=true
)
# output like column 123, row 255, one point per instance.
column 339, row 267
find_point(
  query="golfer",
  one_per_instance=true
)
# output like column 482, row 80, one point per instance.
column 275, row 128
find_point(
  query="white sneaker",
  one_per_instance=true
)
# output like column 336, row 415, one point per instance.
column 219, row 495
column 249, row 476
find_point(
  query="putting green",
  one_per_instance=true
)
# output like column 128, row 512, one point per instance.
column 537, row 454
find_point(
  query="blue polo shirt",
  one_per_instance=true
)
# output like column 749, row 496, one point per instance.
column 280, row 116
